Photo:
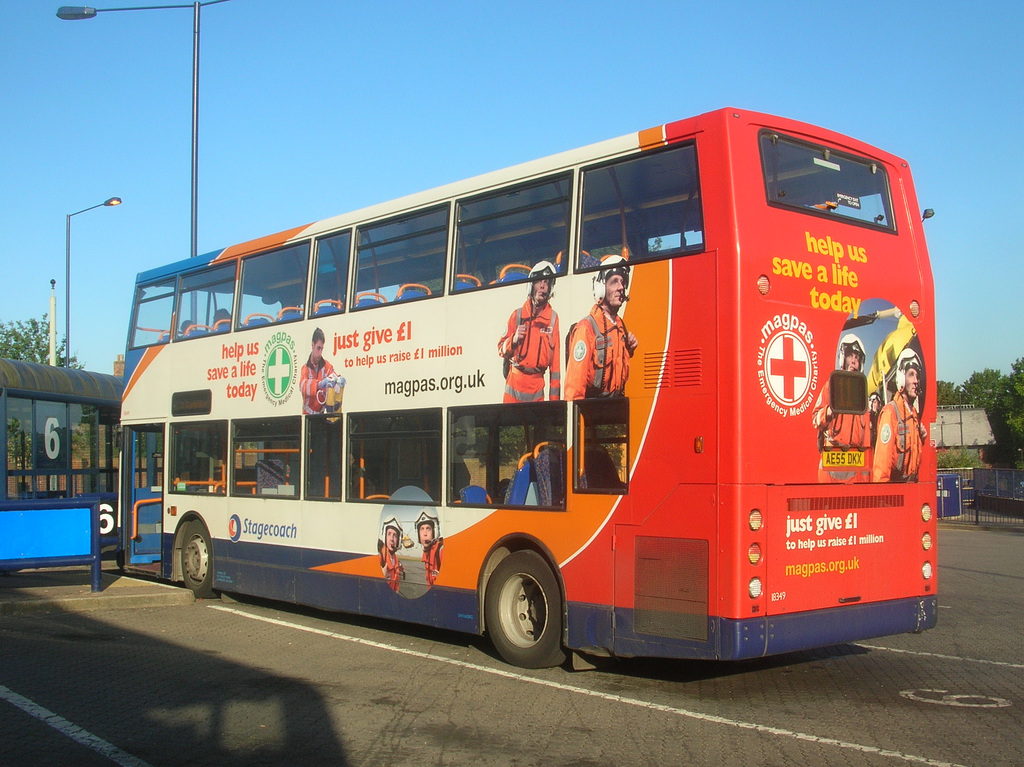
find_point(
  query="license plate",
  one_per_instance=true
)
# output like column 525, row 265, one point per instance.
column 842, row 458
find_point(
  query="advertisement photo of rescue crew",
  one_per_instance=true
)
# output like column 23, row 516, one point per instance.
column 880, row 440
column 321, row 387
column 529, row 347
column 410, row 565
column 599, row 345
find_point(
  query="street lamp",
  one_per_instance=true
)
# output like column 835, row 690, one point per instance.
column 67, row 273
column 76, row 13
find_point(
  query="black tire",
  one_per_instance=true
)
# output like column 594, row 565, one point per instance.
column 523, row 611
column 197, row 560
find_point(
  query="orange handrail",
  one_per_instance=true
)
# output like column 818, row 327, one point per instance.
column 135, row 515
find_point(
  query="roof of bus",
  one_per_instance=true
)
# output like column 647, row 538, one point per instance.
column 31, row 378
column 657, row 136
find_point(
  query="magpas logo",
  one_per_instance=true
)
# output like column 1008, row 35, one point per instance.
column 787, row 365
column 279, row 368
column 234, row 528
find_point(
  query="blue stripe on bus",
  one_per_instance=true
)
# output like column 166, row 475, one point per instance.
column 590, row 626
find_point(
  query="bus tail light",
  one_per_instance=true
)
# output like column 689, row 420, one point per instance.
column 755, row 520
column 926, row 571
column 926, row 541
column 754, row 588
column 763, row 285
column 915, row 309
column 926, row 512
column 754, row 553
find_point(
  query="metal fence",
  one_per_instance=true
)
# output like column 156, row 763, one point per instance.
column 982, row 496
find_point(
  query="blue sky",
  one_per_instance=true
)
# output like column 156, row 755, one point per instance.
column 312, row 108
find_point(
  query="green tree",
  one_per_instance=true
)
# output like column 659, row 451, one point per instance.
column 946, row 393
column 29, row 341
column 958, row 458
column 1013, row 408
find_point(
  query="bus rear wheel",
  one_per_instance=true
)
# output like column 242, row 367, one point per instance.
column 197, row 560
column 523, row 611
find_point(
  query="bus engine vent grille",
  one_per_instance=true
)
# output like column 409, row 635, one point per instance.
column 844, row 502
column 671, row 588
column 673, row 368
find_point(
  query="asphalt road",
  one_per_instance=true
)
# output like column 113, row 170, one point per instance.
column 245, row 683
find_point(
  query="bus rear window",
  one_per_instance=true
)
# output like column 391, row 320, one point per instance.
column 821, row 181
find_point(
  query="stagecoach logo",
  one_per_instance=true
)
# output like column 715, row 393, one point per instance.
column 234, row 528
column 787, row 365
column 279, row 368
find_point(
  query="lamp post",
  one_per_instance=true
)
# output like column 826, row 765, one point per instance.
column 67, row 273
column 76, row 13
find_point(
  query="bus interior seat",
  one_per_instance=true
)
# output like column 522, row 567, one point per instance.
column 255, row 320
column 588, row 261
column 599, row 470
column 369, row 298
column 466, row 281
column 327, row 306
column 522, row 490
column 474, row 494
column 222, row 326
column 412, row 290
column 290, row 313
column 549, row 464
column 269, row 474
column 513, row 273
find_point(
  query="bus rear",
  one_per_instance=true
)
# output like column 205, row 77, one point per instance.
column 827, row 386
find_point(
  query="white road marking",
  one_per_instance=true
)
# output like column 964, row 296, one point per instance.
column 71, row 730
column 508, row 674
column 960, row 658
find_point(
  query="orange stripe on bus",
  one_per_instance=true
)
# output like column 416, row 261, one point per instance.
column 651, row 138
column 261, row 243
column 147, row 359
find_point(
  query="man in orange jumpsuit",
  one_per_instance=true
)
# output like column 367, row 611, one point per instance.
column 901, row 434
column 392, row 569
column 312, row 377
column 600, row 345
column 847, row 434
column 426, row 526
column 530, row 344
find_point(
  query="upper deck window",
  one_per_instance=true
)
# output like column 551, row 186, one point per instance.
column 819, row 180
column 331, row 274
column 273, row 287
column 643, row 208
column 204, row 302
column 154, row 307
column 401, row 259
column 502, row 236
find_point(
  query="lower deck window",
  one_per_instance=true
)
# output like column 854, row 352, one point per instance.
column 199, row 457
column 389, row 451
column 265, row 457
column 508, row 455
column 601, row 456
column 323, row 458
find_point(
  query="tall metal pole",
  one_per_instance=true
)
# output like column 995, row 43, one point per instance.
column 113, row 201
column 67, row 290
column 195, row 128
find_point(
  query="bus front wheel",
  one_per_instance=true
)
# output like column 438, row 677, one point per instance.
column 523, row 611
column 197, row 560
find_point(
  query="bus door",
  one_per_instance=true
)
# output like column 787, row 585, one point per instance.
column 143, row 491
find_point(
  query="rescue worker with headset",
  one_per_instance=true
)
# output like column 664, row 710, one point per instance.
column 846, row 432
column 901, row 434
column 530, row 345
column 599, row 345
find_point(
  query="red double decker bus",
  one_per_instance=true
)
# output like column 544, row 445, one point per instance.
column 665, row 395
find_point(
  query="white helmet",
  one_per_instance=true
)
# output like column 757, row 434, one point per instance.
column 610, row 265
column 850, row 344
column 908, row 359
